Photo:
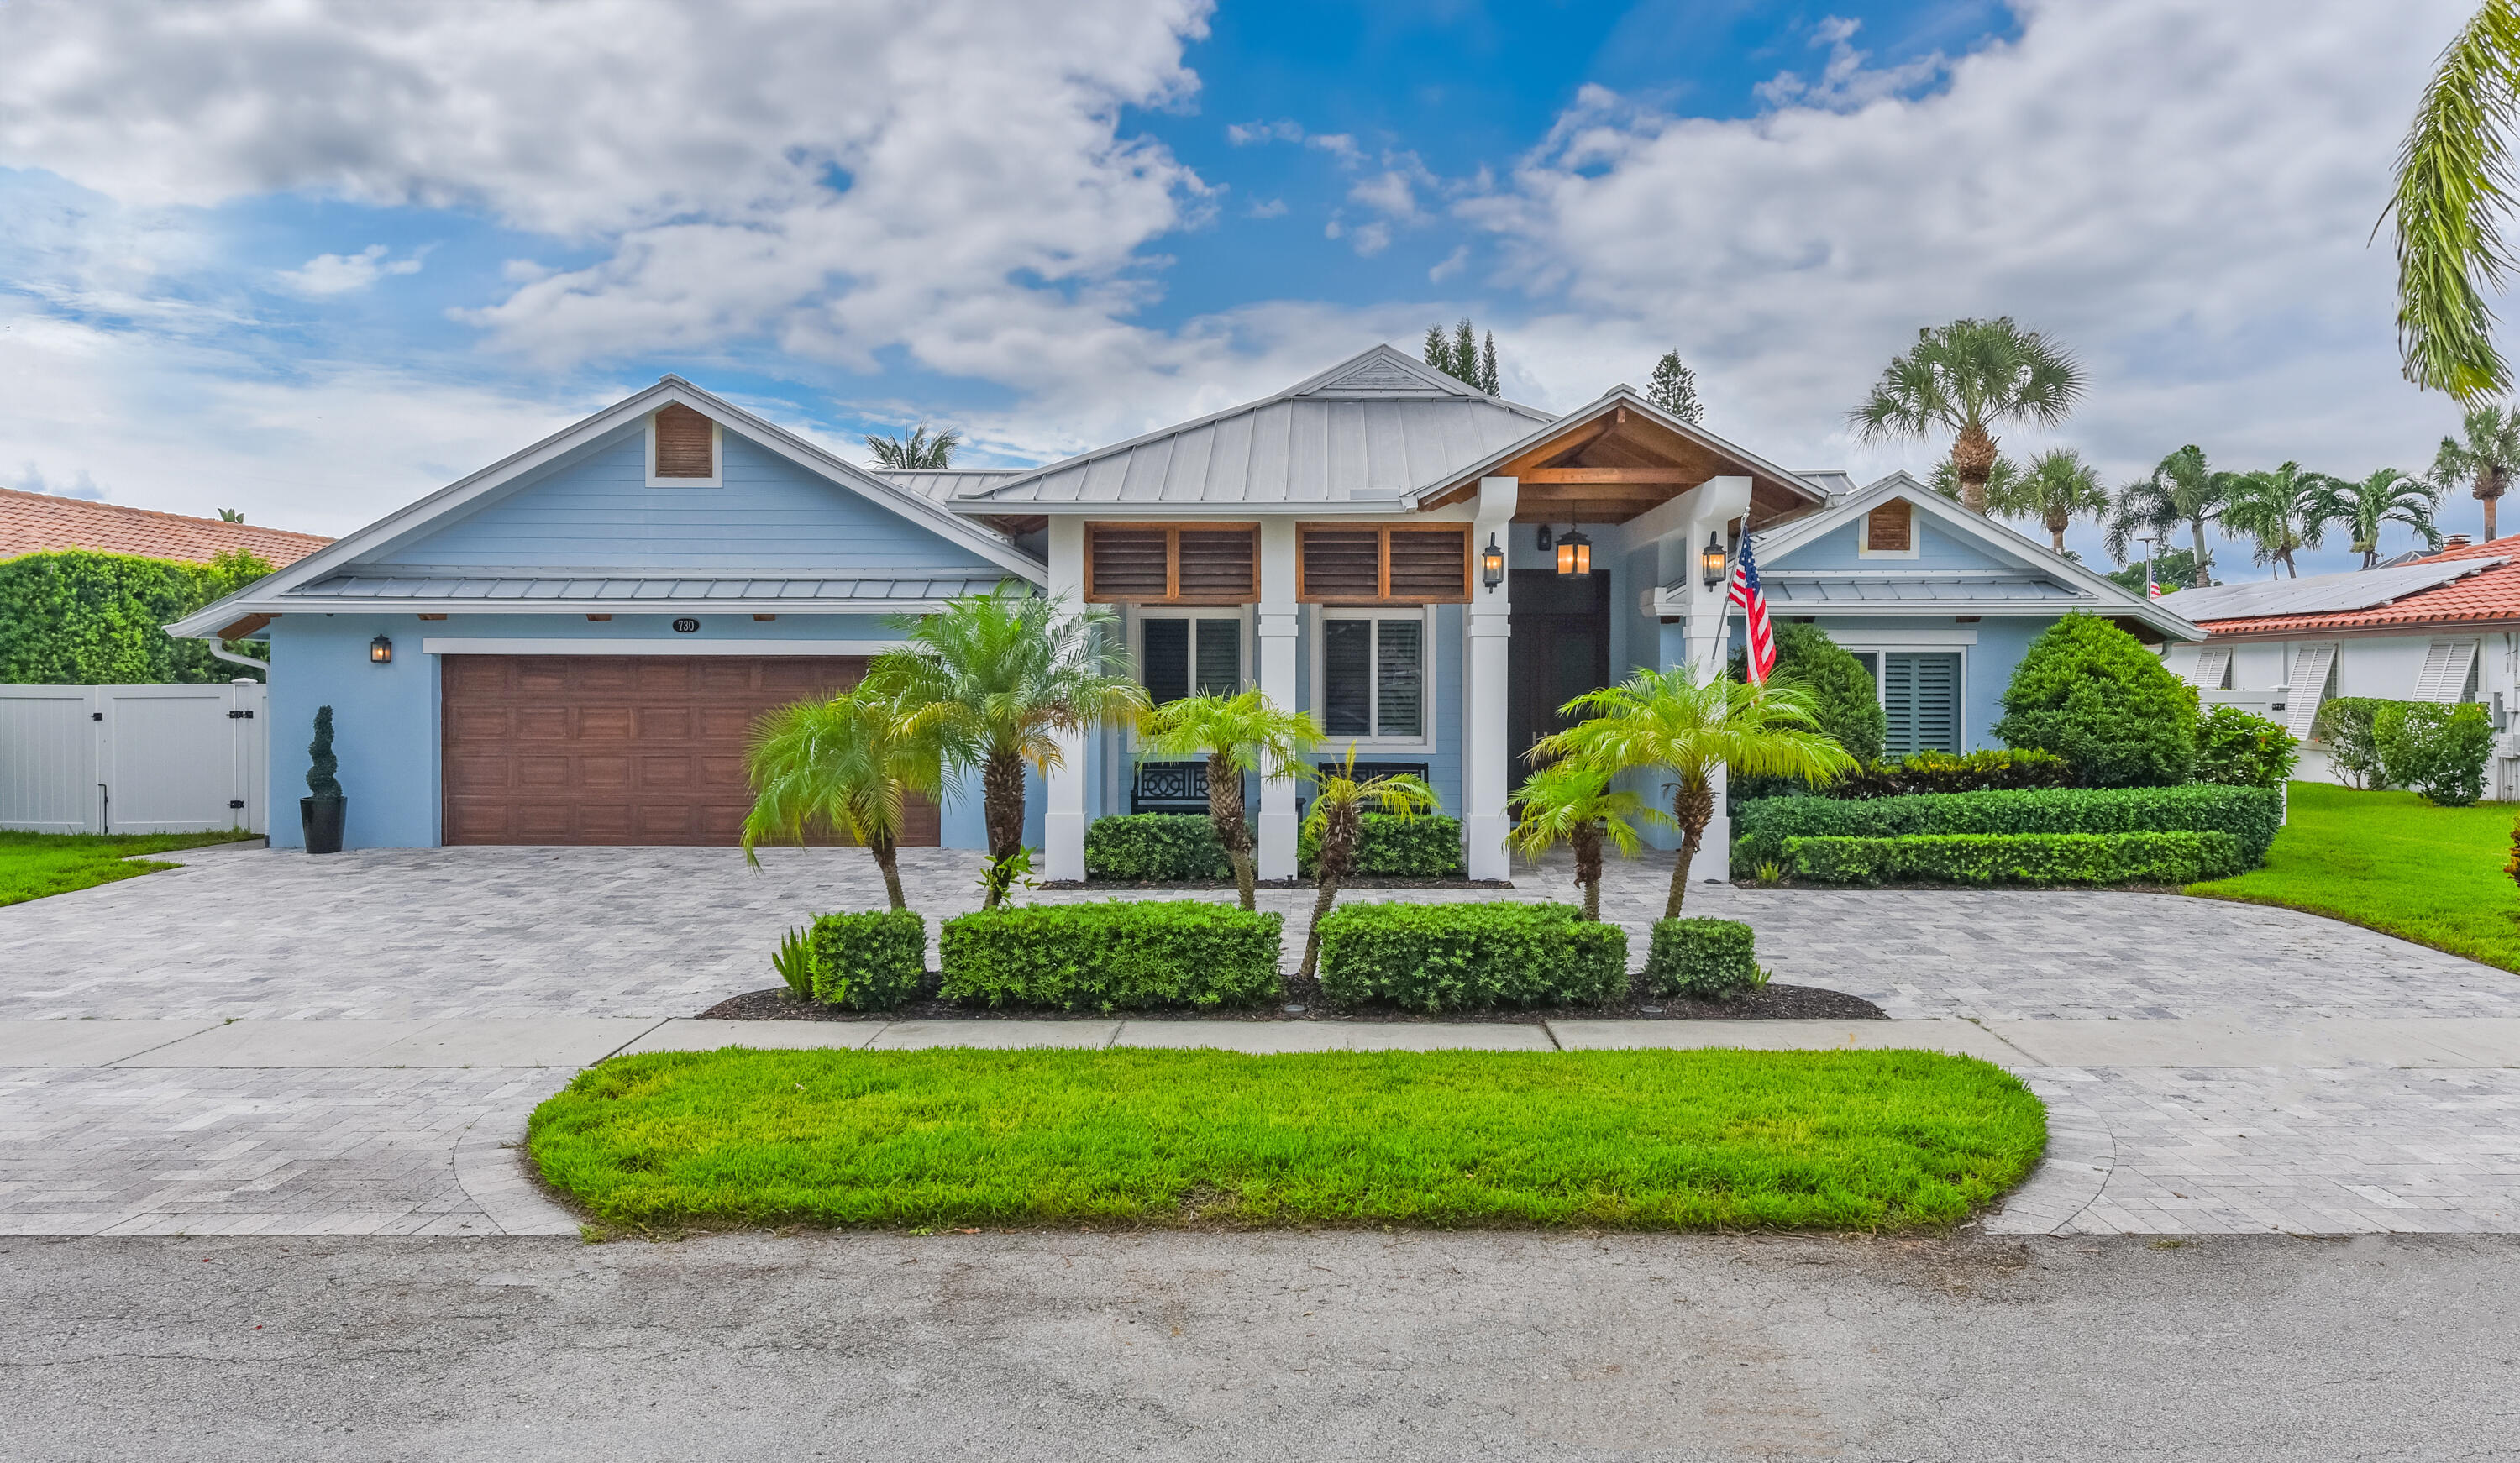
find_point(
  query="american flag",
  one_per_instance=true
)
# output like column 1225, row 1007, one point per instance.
column 1745, row 591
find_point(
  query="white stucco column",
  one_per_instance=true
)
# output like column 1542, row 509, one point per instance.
column 1485, row 776
column 1064, row 826
column 1718, row 501
column 1274, row 633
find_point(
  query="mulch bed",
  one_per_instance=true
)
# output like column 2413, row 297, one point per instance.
column 1360, row 882
column 1773, row 1001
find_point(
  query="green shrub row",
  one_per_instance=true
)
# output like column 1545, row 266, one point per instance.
column 1396, row 846
column 74, row 617
column 2017, row 859
column 2250, row 815
column 1155, row 847
column 867, row 963
column 1106, row 956
column 2239, row 749
column 2424, row 746
column 1458, row 958
column 2002, row 768
column 1701, row 957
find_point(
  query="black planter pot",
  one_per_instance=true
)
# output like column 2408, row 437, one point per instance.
column 322, row 819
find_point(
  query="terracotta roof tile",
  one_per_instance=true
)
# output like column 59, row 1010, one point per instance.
column 2494, row 595
column 38, row 522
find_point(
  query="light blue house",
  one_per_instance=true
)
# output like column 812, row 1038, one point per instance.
column 571, row 645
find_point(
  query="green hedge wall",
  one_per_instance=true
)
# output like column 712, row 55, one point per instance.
column 1156, row 846
column 867, row 963
column 1702, row 957
column 2249, row 814
column 2017, row 859
column 1988, row 770
column 1112, row 957
column 77, row 618
column 1391, row 846
column 1467, row 957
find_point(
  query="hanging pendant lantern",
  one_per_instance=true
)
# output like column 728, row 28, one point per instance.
column 1574, row 553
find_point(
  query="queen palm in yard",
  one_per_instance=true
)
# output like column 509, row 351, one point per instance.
column 2182, row 492
column 1969, row 378
column 1340, row 801
column 848, row 765
column 1673, row 721
column 1236, row 734
column 1001, row 677
column 2365, row 508
column 2483, row 455
column 2273, row 508
column 1572, row 802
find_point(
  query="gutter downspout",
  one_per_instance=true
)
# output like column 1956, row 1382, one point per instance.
column 222, row 652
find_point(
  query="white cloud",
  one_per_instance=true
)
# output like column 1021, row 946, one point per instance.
column 1451, row 264
column 30, row 478
column 1845, row 81
column 341, row 274
column 1267, row 209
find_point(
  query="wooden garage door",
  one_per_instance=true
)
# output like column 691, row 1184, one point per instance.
column 618, row 748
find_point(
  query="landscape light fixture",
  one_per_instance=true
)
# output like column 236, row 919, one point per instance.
column 1492, row 563
column 1574, row 553
column 1710, row 563
column 380, row 651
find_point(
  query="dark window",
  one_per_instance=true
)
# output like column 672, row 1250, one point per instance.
column 1921, row 697
column 1166, row 671
column 1347, row 678
column 1373, row 677
column 1400, row 677
column 1220, row 657
column 1179, row 660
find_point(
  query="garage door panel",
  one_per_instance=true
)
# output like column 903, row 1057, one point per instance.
column 540, row 773
column 535, row 724
column 536, row 673
column 672, row 724
column 713, row 675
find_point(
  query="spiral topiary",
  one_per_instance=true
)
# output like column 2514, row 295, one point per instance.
column 321, row 770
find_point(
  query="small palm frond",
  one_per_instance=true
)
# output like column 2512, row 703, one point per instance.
column 1569, row 795
column 1671, row 719
column 2453, row 184
column 1246, row 729
column 1336, row 787
column 918, row 451
column 1010, row 673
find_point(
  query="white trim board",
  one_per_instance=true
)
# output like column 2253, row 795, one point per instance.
column 1907, row 640
column 679, row 645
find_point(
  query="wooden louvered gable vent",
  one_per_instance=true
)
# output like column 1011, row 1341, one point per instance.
column 686, row 443
column 1386, row 563
column 1887, row 528
column 1148, row 563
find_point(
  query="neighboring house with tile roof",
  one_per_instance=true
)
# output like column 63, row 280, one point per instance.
column 2444, row 627
column 40, row 523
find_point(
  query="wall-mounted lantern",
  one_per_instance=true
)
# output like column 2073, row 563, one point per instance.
column 1492, row 563
column 1710, row 563
column 1574, row 553
column 380, row 651
column 1546, row 538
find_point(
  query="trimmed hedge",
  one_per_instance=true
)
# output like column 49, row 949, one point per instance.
column 1394, row 846
column 2018, row 859
column 2000, row 770
column 867, row 963
column 74, row 617
column 2091, row 693
column 1112, row 957
column 1158, row 847
column 2241, row 750
column 2250, row 815
column 1702, row 957
column 1466, row 957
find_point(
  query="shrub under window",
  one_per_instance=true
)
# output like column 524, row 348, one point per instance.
column 1156, row 846
column 1110, row 956
column 1466, row 957
column 1391, row 846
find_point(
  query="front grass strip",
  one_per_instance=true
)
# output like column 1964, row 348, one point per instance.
column 1612, row 1139
column 33, row 865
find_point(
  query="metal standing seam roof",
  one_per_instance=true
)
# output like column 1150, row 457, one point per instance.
column 944, row 484
column 913, row 586
column 2321, row 594
column 1820, row 586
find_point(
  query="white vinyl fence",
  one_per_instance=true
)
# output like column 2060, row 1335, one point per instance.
column 133, row 759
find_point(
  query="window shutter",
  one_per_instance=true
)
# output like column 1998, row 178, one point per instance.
column 1343, row 563
column 1431, row 565
column 1220, row 564
column 1220, row 657
column 1347, row 678
column 1127, row 563
column 2212, row 663
column 1165, row 659
column 1921, row 697
column 2444, row 673
column 686, row 443
column 1886, row 528
column 2310, row 667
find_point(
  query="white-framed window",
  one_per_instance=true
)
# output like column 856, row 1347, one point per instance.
column 1921, row 698
column 1190, row 653
column 1373, row 677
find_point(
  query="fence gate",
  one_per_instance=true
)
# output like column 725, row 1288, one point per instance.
column 133, row 759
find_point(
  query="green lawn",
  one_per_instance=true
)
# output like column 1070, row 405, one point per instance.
column 2395, row 862
column 34, row 864
column 1623, row 1140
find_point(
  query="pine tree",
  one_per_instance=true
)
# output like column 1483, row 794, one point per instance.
column 1674, row 388
column 1461, row 357
column 1465, row 352
column 1488, row 366
column 1439, row 351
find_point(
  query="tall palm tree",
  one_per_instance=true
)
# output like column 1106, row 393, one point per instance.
column 1967, row 377
column 2451, row 188
column 848, row 765
column 1236, row 734
column 2273, row 508
column 1571, row 801
column 1674, row 721
column 2056, row 489
column 1002, row 676
column 2182, row 492
column 2386, row 497
column 1338, row 819
column 2485, row 455
column 917, row 450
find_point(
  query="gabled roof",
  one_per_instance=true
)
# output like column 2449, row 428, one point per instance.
column 1371, row 427
column 271, row 596
column 1623, row 400
column 2046, row 582
column 40, row 523
column 2468, row 585
column 945, row 484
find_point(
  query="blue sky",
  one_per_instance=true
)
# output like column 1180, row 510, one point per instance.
column 315, row 260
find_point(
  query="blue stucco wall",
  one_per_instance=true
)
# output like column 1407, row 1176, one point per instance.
column 1935, row 549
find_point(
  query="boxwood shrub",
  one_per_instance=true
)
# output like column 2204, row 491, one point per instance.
column 867, row 963
column 1161, row 847
column 1467, row 957
column 2250, row 815
column 1702, row 957
column 1117, row 955
column 1986, row 770
column 1391, row 846
column 2017, row 859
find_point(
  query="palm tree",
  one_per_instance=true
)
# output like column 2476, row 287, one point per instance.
column 1672, row 720
column 1571, row 801
column 2002, row 478
column 2386, row 497
column 920, row 450
column 1003, row 676
column 2056, row 489
column 848, row 765
column 2182, row 492
column 1338, row 821
column 2272, row 509
column 2485, row 455
column 2452, row 184
column 1236, row 734
column 1967, row 377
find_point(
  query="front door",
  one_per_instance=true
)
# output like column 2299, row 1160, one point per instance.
column 1560, row 649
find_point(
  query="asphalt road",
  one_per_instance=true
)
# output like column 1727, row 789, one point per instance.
column 1214, row 1346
